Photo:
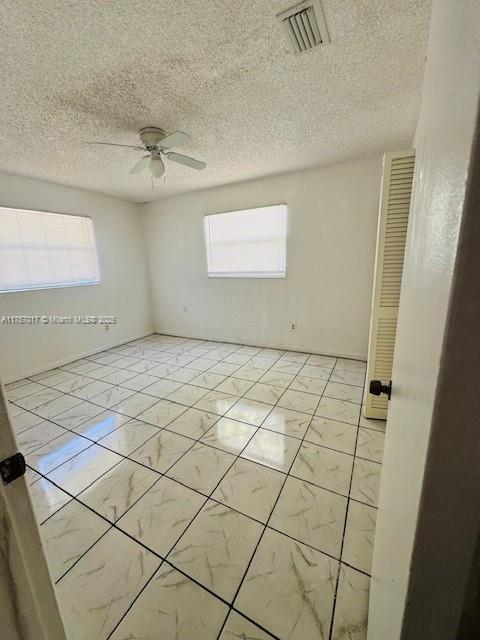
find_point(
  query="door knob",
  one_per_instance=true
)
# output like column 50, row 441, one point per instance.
column 377, row 388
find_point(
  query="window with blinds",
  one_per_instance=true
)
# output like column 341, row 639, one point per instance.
column 251, row 243
column 40, row 250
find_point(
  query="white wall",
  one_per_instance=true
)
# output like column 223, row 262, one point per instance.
column 123, row 292
column 330, row 256
column 428, row 519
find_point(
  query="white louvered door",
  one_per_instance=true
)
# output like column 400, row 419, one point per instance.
column 393, row 215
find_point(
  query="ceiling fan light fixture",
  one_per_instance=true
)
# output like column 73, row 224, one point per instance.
column 157, row 168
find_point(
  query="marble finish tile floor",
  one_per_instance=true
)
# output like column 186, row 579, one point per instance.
column 196, row 489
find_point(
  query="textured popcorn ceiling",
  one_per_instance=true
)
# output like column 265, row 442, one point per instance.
column 221, row 70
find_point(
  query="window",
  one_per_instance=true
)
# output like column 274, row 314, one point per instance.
column 40, row 250
column 247, row 244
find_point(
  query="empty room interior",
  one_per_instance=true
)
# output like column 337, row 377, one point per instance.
column 239, row 320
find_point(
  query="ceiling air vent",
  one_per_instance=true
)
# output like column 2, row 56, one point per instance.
column 305, row 25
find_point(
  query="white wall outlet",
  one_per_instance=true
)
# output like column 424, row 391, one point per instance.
column 293, row 327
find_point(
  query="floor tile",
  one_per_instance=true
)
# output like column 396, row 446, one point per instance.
column 234, row 386
column 356, row 366
column 216, row 402
column 229, row 435
column 23, row 390
column 299, row 401
column 187, row 394
column 117, row 490
column 295, row 356
column 77, row 415
column 289, row 588
column 377, row 425
column 46, row 498
column 239, row 628
column 224, row 368
column 68, row 386
column 359, row 536
column 351, row 609
column 312, row 515
column 139, row 382
column 286, row 367
column 272, row 449
column 342, row 391
column 207, row 380
column 250, row 488
column 321, row 361
column 163, row 370
column 288, row 422
column 92, row 607
column 23, row 420
column 277, row 378
column 56, row 452
column 348, row 377
column 182, row 375
column 38, row 436
column 193, row 423
column 114, row 376
column 92, row 389
column 113, row 396
column 201, row 468
column 128, row 437
column 57, row 406
column 101, row 425
column 31, row 476
column 160, row 517
column 86, row 467
column 314, row 371
column 265, row 393
column 308, row 385
column 216, row 548
column 370, row 444
column 162, row 451
column 134, row 405
column 162, row 413
column 338, row 410
column 332, row 434
column 249, row 372
column 68, row 534
column 162, row 388
column 172, row 606
column 366, row 481
column 249, row 411
column 326, row 468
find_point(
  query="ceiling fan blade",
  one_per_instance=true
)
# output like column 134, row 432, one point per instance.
column 157, row 167
column 175, row 139
column 141, row 164
column 113, row 144
column 186, row 160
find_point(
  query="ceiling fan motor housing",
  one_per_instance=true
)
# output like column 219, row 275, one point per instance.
column 151, row 136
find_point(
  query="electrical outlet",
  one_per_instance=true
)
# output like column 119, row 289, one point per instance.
column 293, row 327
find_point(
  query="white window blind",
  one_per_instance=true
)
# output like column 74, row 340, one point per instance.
column 247, row 244
column 40, row 250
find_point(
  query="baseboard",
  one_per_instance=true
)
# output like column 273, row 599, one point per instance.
column 350, row 356
column 84, row 354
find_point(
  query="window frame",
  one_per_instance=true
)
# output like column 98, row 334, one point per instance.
column 253, row 275
column 63, row 285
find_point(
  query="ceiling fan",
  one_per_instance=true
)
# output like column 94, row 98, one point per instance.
column 155, row 144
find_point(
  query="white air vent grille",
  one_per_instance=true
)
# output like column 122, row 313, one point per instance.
column 305, row 25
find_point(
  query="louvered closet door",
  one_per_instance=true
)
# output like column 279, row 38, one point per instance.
column 393, row 214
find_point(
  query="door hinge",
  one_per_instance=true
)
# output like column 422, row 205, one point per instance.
column 12, row 468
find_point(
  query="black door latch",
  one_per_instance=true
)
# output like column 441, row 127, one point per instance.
column 377, row 388
column 12, row 468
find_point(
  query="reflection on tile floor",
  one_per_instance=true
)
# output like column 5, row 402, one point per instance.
column 191, row 489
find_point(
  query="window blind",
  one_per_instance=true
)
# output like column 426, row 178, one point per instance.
column 40, row 250
column 247, row 244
